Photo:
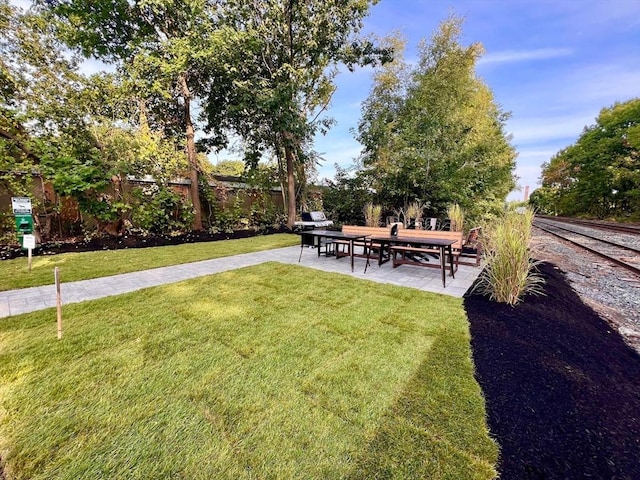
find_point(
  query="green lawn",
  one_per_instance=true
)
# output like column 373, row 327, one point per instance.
column 81, row 266
column 267, row 372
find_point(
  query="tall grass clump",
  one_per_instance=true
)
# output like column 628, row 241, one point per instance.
column 456, row 217
column 372, row 214
column 510, row 271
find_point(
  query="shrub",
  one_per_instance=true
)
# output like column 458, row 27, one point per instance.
column 510, row 272
column 161, row 210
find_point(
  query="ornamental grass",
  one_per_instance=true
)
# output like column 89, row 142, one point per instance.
column 372, row 214
column 456, row 217
column 510, row 272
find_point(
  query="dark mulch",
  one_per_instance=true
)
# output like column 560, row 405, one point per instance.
column 106, row 242
column 562, row 388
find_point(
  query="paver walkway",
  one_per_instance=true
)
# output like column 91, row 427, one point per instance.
column 25, row 300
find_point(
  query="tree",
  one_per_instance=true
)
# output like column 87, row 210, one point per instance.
column 234, row 168
column 25, row 61
column 78, row 133
column 38, row 109
column 439, row 137
column 599, row 174
column 287, row 70
column 382, row 110
column 170, row 50
column 345, row 197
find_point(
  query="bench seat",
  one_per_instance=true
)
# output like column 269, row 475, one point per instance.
column 343, row 246
column 406, row 255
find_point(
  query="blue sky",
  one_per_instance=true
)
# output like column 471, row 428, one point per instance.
column 554, row 64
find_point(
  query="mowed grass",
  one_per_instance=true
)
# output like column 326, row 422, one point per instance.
column 267, row 372
column 81, row 266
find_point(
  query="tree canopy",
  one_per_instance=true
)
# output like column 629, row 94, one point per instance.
column 260, row 69
column 599, row 175
column 81, row 134
column 170, row 51
column 287, row 75
column 434, row 133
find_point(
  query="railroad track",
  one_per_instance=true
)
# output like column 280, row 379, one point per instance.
column 601, row 225
column 623, row 250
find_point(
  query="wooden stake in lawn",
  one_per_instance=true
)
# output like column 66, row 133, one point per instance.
column 56, row 275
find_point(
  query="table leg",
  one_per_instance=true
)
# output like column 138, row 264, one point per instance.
column 443, row 267
column 451, row 261
column 301, row 247
column 366, row 265
column 352, row 244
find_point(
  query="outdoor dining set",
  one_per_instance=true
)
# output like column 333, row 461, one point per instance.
column 401, row 246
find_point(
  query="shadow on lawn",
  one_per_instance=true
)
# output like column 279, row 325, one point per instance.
column 429, row 431
column 561, row 386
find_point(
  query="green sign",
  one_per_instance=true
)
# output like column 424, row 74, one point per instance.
column 24, row 225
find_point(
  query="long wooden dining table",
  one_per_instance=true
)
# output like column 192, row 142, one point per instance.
column 441, row 244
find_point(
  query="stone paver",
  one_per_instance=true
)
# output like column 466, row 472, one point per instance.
column 25, row 300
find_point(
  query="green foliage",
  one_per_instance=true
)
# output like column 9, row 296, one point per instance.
column 285, row 80
column 345, row 196
column 234, row 168
column 414, row 210
column 599, row 175
column 172, row 52
column 509, row 273
column 435, row 134
column 35, row 84
column 78, row 133
column 230, row 216
column 161, row 210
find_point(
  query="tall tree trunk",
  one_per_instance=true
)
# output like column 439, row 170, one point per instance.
column 191, row 155
column 288, row 136
column 291, row 186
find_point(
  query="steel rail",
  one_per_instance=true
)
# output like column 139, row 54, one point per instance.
column 630, row 229
column 620, row 263
column 619, row 245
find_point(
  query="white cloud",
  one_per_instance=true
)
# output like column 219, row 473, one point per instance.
column 511, row 56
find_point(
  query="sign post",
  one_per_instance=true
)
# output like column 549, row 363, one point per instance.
column 29, row 242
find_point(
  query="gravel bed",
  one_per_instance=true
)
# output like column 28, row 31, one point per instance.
column 612, row 292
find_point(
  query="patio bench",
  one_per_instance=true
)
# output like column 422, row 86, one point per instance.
column 412, row 255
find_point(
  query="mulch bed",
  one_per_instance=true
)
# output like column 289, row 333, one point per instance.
column 106, row 242
column 562, row 388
